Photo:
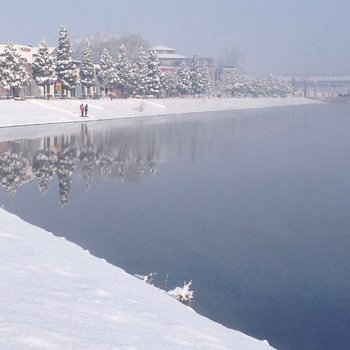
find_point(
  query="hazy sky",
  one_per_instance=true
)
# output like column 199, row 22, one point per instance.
column 279, row 36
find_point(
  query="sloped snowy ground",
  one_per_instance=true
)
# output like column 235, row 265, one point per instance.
column 33, row 111
column 55, row 295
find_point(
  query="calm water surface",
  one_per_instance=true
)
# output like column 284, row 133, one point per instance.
column 253, row 206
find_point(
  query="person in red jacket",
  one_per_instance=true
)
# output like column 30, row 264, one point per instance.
column 82, row 109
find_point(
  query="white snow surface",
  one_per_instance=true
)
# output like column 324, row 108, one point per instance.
column 35, row 111
column 55, row 295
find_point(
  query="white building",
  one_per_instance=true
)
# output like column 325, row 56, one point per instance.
column 170, row 59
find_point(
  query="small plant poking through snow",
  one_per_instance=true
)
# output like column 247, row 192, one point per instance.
column 183, row 294
column 147, row 278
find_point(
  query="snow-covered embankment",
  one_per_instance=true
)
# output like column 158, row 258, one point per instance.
column 55, row 295
column 29, row 112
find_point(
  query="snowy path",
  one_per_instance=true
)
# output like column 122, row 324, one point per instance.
column 36, row 112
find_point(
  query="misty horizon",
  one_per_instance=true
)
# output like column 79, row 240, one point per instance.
column 290, row 39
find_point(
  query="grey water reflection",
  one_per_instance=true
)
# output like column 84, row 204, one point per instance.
column 122, row 153
column 252, row 206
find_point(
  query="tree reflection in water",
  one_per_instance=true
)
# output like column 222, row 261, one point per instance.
column 125, row 154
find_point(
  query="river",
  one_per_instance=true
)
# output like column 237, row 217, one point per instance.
column 252, row 206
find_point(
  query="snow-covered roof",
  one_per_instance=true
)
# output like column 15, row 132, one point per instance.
column 161, row 48
column 35, row 50
column 24, row 50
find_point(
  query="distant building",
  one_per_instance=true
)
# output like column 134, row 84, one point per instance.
column 321, row 86
column 170, row 60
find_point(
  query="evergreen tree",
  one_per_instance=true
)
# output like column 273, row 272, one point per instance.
column 139, row 78
column 234, row 85
column 12, row 68
column 205, row 85
column 107, row 75
column 227, row 84
column 183, row 79
column 123, row 69
column 65, row 68
column 87, row 69
column 169, row 83
column 43, row 67
column 195, row 76
column 153, row 81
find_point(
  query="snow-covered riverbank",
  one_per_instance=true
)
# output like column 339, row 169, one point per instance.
column 29, row 112
column 55, row 295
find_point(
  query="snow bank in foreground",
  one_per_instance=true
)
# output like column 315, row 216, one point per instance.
column 55, row 295
column 57, row 111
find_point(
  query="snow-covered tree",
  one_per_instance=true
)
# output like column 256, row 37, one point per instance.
column 139, row 76
column 123, row 69
column 65, row 67
column 43, row 67
column 242, row 85
column 87, row 69
column 13, row 74
column 153, row 85
column 195, row 76
column 183, row 79
column 107, row 75
column 169, row 83
column 205, row 85
column 279, row 87
column 227, row 84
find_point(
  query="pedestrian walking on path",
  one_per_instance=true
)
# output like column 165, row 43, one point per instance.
column 86, row 110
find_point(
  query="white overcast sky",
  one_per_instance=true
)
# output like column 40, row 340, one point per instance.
column 279, row 36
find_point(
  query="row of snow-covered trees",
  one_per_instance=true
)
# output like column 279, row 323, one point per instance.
column 143, row 75
column 241, row 85
column 139, row 77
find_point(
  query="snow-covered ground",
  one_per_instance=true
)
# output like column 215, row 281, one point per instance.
column 55, row 295
column 34, row 111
